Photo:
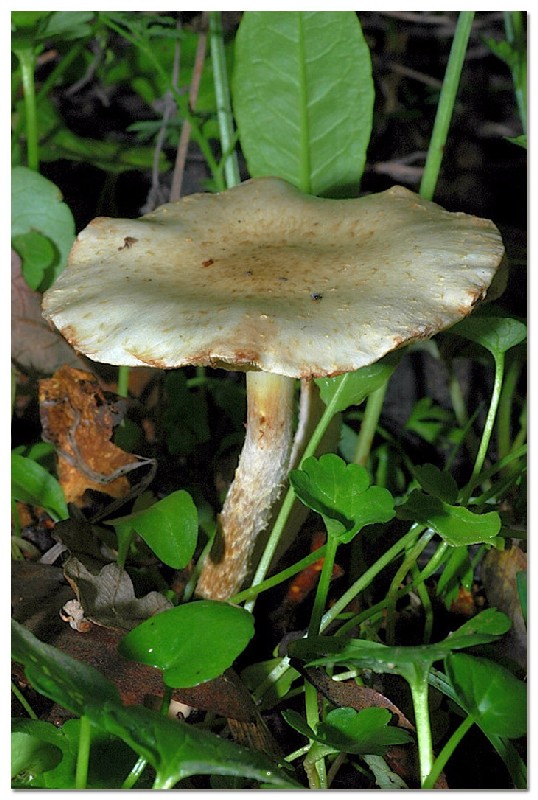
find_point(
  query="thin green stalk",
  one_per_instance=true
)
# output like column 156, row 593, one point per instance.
column 447, row 751
column 372, row 413
column 366, row 579
column 446, row 104
column 488, row 427
column 504, row 414
column 402, row 571
column 419, row 695
column 135, row 773
column 23, row 701
column 83, row 755
column 26, row 58
column 515, row 36
column 323, row 585
column 123, row 380
column 424, row 598
column 378, row 609
column 279, row 577
column 222, row 95
column 64, row 63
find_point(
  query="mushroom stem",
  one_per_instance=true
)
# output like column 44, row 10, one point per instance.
column 262, row 469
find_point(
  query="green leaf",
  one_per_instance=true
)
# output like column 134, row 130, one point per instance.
column 436, row 482
column 345, row 730
column 455, row 524
column 38, row 255
column 303, row 97
column 37, row 208
column 341, row 492
column 70, row 683
column 191, row 643
column 169, row 528
column 521, row 140
column 31, row 483
column 177, row 750
column 354, row 387
column 401, row 660
column 367, row 731
column 34, row 750
column 496, row 333
column 490, row 693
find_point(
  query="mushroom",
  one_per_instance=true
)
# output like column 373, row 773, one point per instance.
column 281, row 285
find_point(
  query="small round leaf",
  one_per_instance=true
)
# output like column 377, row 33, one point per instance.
column 192, row 643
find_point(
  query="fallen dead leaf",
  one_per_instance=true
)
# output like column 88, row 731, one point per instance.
column 35, row 345
column 79, row 419
column 108, row 598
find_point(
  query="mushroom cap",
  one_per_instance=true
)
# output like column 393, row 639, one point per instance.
column 264, row 277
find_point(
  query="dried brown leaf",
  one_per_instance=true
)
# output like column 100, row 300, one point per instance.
column 35, row 345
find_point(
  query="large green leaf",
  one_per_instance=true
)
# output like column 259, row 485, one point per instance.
column 175, row 750
column 303, row 98
column 169, row 527
column 457, row 525
column 490, row 693
column 354, row 387
column 31, row 483
column 42, row 227
column 401, row 660
column 191, row 643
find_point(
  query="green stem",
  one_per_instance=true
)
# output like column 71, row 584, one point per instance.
column 65, row 62
column 83, row 755
column 222, row 95
column 323, row 585
column 515, row 36
column 419, row 694
column 372, row 413
column 279, row 577
column 504, row 415
column 135, row 773
column 488, row 427
column 404, row 568
column 447, row 751
column 23, row 701
column 446, row 104
column 365, row 580
column 26, row 58
column 123, row 381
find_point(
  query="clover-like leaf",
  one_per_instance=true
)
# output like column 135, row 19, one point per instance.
column 455, row 524
column 342, row 494
column 352, row 388
column 438, row 483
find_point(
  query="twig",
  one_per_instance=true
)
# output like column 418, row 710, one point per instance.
column 169, row 106
column 183, row 145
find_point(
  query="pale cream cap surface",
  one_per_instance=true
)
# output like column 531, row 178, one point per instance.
column 262, row 276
